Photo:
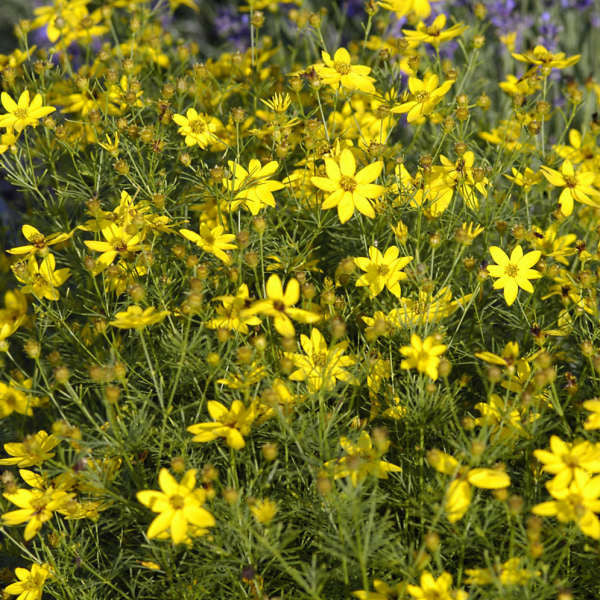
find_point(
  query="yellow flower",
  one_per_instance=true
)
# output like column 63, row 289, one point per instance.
column 460, row 175
column 550, row 244
column 565, row 459
column 425, row 96
column 362, row 459
column 526, row 179
column 382, row 270
column 36, row 505
column 264, row 510
column 23, row 113
column 31, row 583
column 280, row 306
column 13, row 398
column 198, row 129
column 347, row 189
column 14, row 313
column 514, row 272
column 459, row 493
column 118, row 242
column 434, row 34
column 182, row 515
column 38, row 242
column 33, row 450
column 41, row 279
column 231, row 314
column 212, row 240
column 137, row 318
column 420, row 8
column 578, row 186
column 253, row 188
column 576, row 502
column 593, row 420
column 540, row 56
column 508, row 573
column 321, row 366
column 422, row 355
column 382, row 591
column 435, row 589
column 60, row 17
column 232, row 424
column 111, row 146
column 340, row 71
column 7, row 141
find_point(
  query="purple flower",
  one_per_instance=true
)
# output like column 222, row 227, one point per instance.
column 234, row 27
column 548, row 32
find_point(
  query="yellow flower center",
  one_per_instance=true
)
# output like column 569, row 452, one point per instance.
column 119, row 245
column 422, row 97
column 342, row 68
column 383, row 269
column 9, row 399
column 319, row 359
column 177, row 501
column 279, row 305
column 511, row 270
column 347, row 183
column 209, row 238
column 197, row 126
column 570, row 182
column 21, row 113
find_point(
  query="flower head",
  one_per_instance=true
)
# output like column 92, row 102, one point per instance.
column 382, row 270
column 135, row 317
column 23, row 113
column 422, row 355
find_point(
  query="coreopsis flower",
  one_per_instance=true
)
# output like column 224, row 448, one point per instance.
column 41, row 279
column 362, row 459
column 33, row 450
column 503, row 418
column 459, row 493
column 514, row 272
column 38, row 242
column 593, row 420
column 36, row 505
column 509, row 572
column 23, row 113
column 111, row 145
column 232, row 424
column 467, row 233
column 181, row 514
column 213, row 241
column 347, row 189
column 420, row 8
column 382, row 270
column 321, row 366
column 425, row 95
column 279, row 304
column 577, row 501
column 60, row 17
column 460, row 175
column 543, row 57
column 423, row 355
column 577, row 186
column 198, row 128
column 440, row 588
column 118, row 242
column 430, row 192
column 31, row 582
column 550, row 244
column 264, row 510
column 564, row 460
column 382, row 591
column 252, row 189
column 136, row 317
column 434, row 34
column 14, row 313
column 14, row 398
column 340, row 71
column 527, row 179
column 7, row 141
column 231, row 314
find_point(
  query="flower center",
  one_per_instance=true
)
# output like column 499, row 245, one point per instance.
column 570, row 182
column 279, row 305
column 21, row 113
column 422, row 97
column 209, row 239
column 319, row 359
column 383, row 269
column 119, row 245
column 347, row 183
column 197, row 126
column 342, row 68
column 511, row 270
column 177, row 501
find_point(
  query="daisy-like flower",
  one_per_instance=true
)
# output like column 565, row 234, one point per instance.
column 341, row 71
column 514, row 272
column 349, row 190
column 434, row 34
column 14, row 313
column 420, row 8
column 361, row 459
column 279, row 304
column 382, row 270
column 38, row 242
column 230, row 315
column 252, row 189
column 543, row 57
column 118, row 241
column 41, row 279
column 33, row 450
column 426, row 94
column 31, row 583
column 577, row 186
column 14, row 398
column 212, row 240
column 438, row 589
column 232, row 424
column 22, row 113
column 321, row 366
column 424, row 355
column 182, row 515
column 135, row 317
column 198, row 128
column 508, row 573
